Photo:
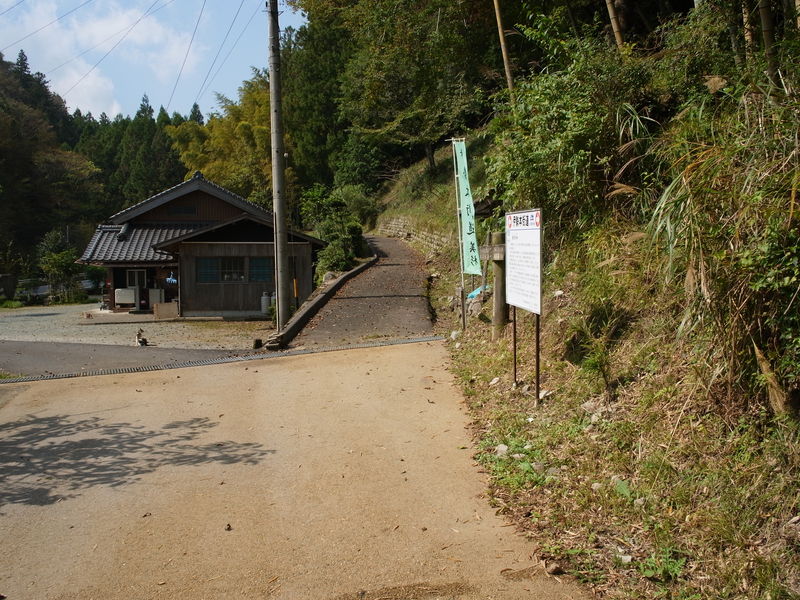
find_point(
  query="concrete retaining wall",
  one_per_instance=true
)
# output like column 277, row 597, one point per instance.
column 427, row 241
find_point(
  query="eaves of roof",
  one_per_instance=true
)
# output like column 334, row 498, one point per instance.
column 132, row 244
column 244, row 217
column 196, row 183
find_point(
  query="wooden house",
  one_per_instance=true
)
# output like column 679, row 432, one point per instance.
column 200, row 246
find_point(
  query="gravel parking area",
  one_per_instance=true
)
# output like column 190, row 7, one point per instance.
column 86, row 324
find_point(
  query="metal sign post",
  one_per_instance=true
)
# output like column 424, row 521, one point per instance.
column 524, row 272
column 514, row 339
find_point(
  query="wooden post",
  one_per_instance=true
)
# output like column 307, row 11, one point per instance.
column 463, row 299
column 284, row 283
column 499, row 306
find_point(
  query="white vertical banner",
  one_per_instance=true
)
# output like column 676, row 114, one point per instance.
column 470, row 254
column 524, row 260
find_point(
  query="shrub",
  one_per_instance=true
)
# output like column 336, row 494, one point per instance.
column 334, row 257
column 363, row 207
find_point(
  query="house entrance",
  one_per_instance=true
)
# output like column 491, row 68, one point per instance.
column 137, row 283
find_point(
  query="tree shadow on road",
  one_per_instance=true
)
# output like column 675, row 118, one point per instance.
column 44, row 460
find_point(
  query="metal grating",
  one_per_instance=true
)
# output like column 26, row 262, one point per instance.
column 222, row 360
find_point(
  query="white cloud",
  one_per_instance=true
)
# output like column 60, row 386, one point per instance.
column 149, row 57
column 95, row 93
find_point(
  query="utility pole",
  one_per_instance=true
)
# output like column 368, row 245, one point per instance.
column 503, row 48
column 278, row 194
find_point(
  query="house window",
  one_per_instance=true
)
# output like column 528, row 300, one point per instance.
column 231, row 268
column 224, row 269
column 136, row 278
column 261, row 269
column 207, row 270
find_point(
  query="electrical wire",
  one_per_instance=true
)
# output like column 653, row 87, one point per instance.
column 56, row 20
column 227, row 56
column 177, row 79
column 85, row 75
column 221, row 46
column 11, row 7
column 112, row 36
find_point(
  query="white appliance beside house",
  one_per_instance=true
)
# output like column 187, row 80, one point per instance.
column 126, row 296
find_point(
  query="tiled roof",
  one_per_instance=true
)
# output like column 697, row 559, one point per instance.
column 132, row 243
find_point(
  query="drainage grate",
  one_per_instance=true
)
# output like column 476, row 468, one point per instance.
column 222, row 360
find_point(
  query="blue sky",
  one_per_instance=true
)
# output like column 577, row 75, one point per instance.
column 144, row 43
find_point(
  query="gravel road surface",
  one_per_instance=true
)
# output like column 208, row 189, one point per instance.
column 68, row 324
column 341, row 475
column 387, row 301
column 60, row 339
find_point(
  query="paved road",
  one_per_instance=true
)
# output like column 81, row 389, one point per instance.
column 341, row 475
column 332, row 476
column 387, row 301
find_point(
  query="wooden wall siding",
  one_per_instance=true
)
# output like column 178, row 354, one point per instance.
column 242, row 297
column 195, row 206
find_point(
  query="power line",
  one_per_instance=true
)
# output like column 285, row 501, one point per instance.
column 227, row 56
column 177, row 79
column 222, row 45
column 11, row 7
column 74, row 85
column 113, row 35
column 56, row 20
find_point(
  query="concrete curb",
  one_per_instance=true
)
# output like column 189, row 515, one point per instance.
column 309, row 309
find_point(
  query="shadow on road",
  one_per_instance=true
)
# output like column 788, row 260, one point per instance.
column 47, row 459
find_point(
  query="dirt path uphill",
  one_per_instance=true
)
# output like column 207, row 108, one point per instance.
column 387, row 301
column 330, row 476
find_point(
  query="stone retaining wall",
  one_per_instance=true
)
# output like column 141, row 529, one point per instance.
column 427, row 241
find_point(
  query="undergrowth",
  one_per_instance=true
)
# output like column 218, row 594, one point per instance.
column 651, row 491
column 663, row 461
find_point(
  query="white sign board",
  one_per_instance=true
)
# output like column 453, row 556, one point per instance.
column 524, row 260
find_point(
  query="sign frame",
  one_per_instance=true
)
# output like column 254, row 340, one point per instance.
column 523, row 255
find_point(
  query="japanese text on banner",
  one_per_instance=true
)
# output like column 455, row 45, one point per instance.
column 469, row 240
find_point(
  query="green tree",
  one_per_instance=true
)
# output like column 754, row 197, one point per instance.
column 168, row 169
column 411, row 82
column 313, row 59
column 42, row 184
column 57, row 262
column 233, row 147
column 133, row 176
column 11, row 264
column 195, row 115
column 100, row 141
